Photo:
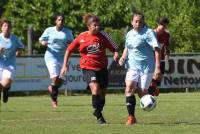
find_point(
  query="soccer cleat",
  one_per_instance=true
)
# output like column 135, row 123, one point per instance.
column 5, row 96
column 131, row 120
column 101, row 120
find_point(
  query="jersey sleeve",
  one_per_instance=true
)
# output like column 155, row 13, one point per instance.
column 74, row 45
column 20, row 44
column 152, row 40
column 45, row 35
column 70, row 37
column 109, row 43
column 107, row 36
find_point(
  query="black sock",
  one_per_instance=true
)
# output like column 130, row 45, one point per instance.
column 130, row 103
column 102, row 103
column 54, row 94
column 96, row 103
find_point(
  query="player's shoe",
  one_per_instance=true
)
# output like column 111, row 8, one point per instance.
column 101, row 120
column 153, row 89
column 5, row 96
column 53, row 103
column 131, row 120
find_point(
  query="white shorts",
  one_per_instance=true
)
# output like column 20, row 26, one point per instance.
column 54, row 69
column 7, row 72
column 143, row 80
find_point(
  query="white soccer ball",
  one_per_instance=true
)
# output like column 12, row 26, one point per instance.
column 148, row 102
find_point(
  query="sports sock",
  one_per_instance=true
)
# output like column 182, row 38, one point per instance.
column 130, row 104
column 96, row 103
column 54, row 94
column 102, row 103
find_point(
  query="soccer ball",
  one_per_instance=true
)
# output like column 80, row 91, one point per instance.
column 148, row 102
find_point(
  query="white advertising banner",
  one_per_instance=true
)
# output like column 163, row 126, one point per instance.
column 182, row 72
column 32, row 74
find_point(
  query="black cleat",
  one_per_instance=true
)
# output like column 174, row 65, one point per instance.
column 101, row 120
column 5, row 96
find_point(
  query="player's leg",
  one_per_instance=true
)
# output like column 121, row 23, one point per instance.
column 56, row 81
column 102, row 77
column 6, row 81
column 131, row 83
column 144, row 83
column 91, row 79
column 153, row 88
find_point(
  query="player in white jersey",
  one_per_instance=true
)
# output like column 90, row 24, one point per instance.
column 140, row 61
column 10, row 47
column 56, row 39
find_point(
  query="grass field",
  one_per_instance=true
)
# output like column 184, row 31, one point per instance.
column 176, row 113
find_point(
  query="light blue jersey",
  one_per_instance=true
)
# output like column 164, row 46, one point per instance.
column 140, row 47
column 8, row 54
column 57, row 43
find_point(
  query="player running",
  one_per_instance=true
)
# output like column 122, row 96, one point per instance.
column 138, row 55
column 56, row 39
column 10, row 47
column 92, row 46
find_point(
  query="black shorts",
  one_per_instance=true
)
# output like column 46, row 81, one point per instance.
column 100, row 77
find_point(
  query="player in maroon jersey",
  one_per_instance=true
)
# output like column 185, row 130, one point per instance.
column 163, row 38
column 92, row 45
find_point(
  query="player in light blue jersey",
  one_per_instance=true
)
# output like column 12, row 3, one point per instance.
column 56, row 39
column 10, row 47
column 140, row 61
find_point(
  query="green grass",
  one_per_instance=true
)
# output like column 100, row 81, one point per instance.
column 176, row 113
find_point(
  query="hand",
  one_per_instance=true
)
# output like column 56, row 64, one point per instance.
column 44, row 43
column 63, row 72
column 167, row 57
column 157, row 74
column 121, row 61
column 116, row 56
column 2, row 49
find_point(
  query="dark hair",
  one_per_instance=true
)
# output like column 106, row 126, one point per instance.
column 163, row 21
column 88, row 18
column 137, row 13
column 5, row 20
column 59, row 15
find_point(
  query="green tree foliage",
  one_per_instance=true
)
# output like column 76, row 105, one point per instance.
column 115, row 16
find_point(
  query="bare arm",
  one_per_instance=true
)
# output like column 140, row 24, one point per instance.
column 157, row 72
column 123, row 57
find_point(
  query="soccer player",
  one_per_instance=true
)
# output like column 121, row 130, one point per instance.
column 56, row 39
column 92, row 46
column 10, row 47
column 163, row 38
column 139, row 58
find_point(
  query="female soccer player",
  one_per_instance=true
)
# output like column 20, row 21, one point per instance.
column 10, row 47
column 56, row 39
column 92, row 46
column 139, row 59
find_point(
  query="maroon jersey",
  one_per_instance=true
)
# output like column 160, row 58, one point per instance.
column 92, row 50
column 163, row 39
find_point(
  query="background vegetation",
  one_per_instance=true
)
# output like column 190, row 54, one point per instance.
column 115, row 18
